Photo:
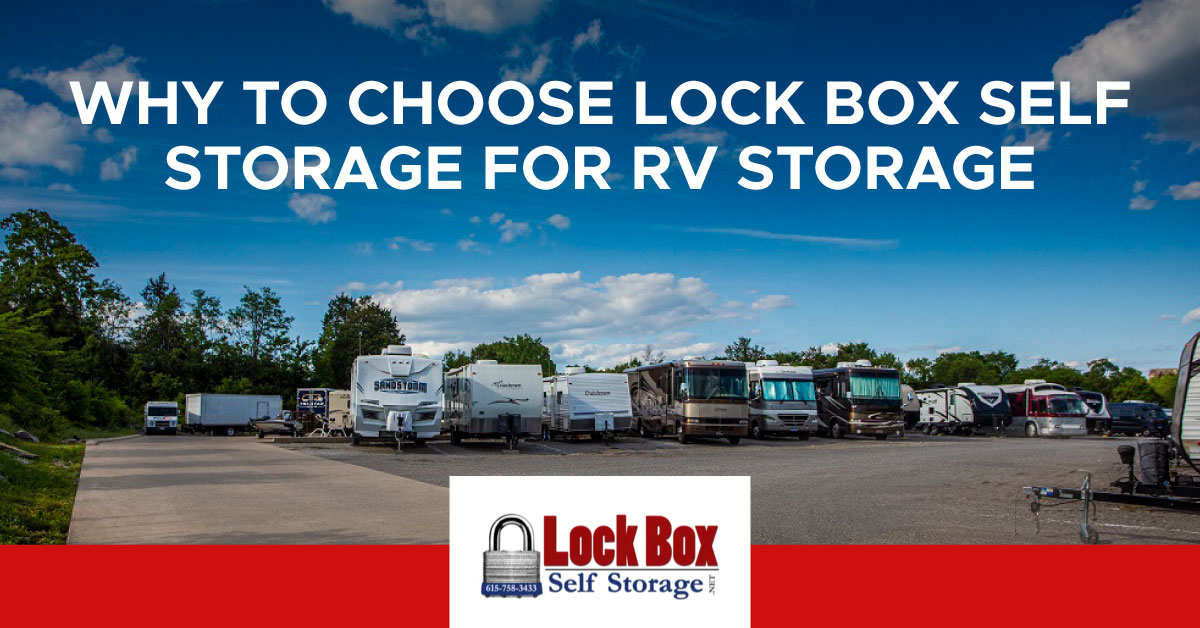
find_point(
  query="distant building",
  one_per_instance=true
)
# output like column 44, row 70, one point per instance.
column 1162, row 372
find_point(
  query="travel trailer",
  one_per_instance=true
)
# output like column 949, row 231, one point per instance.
column 690, row 398
column 1040, row 408
column 228, row 414
column 1099, row 420
column 338, row 411
column 859, row 398
column 910, row 405
column 582, row 403
column 1185, row 415
column 396, row 396
column 783, row 400
column 161, row 417
column 486, row 399
column 964, row 408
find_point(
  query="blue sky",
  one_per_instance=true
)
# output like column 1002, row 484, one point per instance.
column 1068, row 271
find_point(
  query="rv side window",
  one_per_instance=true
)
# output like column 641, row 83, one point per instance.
column 558, row 397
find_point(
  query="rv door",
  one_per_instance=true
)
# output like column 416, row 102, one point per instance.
column 262, row 409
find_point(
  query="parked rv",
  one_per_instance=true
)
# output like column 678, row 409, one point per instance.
column 161, row 417
column 1041, row 408
column 396, row 395
column 858, row 398
column 337, row 412
column 964, row 408
column 911, row 406
column 582, row 403
column 1185, row 415
column 486, row 399
column 1134, row 417
column 783, row 400
column 228, row 414
column 690, row 398
column 1099, row 420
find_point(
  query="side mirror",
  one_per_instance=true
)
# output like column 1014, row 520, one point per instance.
column 1126, row 453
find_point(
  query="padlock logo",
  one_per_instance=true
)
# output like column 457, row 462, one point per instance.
column 511, row 573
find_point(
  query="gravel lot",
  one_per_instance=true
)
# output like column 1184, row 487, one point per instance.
column 921, row 489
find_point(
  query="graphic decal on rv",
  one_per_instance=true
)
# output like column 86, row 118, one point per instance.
column 400, row 386
column 515, row 402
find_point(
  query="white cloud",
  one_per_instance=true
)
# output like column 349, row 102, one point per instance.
column 470, row 244
column 605, row 355
column 364, row 248
column 445, row 211
column 312, row 208
column 1156, row 49
column 830, row 348
column 102, row 135
column 1167, row 317
column 1188, row 192
column 1141, row 203
column 485, row 16
column 266, row 169
column 532, row 70
column 771, row 302
column 1038, row 138
column 353, row 286
column 475, row 220
column 559, row 221
column 1139, row 186
column 954, row 349
column 510, row 231
column 495, row 218
column 114, row 168
column 589, row 37
column 18, row 175
column 61, row 187
column 37, row 135
column 1191, row 317
column 866, row 243
column 382, row 14
column 613, row 177
column 695, row 135
column 112, row 66
column 422, row 246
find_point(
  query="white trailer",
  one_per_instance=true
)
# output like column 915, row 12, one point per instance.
column 783, row 400
column 396, row 395
column 578, row 402
column 491, row 400
column 964, row 408
column 161, row 417
column 229, row 414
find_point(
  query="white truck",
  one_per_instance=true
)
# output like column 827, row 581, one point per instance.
column 783, row 400
column 396, row 395
column 161, row 417
column 229, row 414
column 486, row 399
column 579, row 403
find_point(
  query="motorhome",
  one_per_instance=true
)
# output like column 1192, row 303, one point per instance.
column 396, row 395
column 1040, row 408
column 1099, row 419
column 161, row 417
column 582, row 403
column 1185, row 414
column 486, row 399
column 783, row 400
column 859, row 398
column 964, row 408
column 690, row 398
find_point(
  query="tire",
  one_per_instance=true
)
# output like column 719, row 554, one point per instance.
column 928, row 429
column 802, row 435
column 229, row 431
column 644, row 431
column 756, row 431
column 1145, row 432
column 455, row 437
column 260, row 434
column 836, row 430
column 1031, row 430
column 683, row 439
column 733, row 440
column 881, row 437
column 356, row 440
column 596, row 436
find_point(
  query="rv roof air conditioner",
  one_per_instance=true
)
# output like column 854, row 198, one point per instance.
column 574, row 370
column 397, row 350
column 1034, row 381
column 967, row 384
column 767, row 363
column 486, row 362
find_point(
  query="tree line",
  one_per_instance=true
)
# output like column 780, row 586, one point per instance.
column 76, row 353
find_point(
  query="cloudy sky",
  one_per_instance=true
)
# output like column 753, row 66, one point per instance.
column 1099, row 260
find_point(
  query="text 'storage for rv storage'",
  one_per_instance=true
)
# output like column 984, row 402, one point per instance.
column 532, row 313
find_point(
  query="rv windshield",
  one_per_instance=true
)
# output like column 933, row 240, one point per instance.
column 715, row 383
column 1065, row 405
column 788, row 390
column 161, row 411
column 867, row 386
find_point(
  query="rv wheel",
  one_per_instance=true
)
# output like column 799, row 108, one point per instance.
column 260, row 434
column 803, row 435
column 356, row 440
column 683, row 439
column 756, row 431
column 1091, row 537
column 643, row 431
column 836, row 430
column 733, row 440
column 881, row 437
column 1031, row 430
column 928, row 429
column 455, row 437
column 229, row 431
column 1146, row 432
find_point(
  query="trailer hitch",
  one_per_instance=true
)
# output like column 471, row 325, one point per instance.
column 1087, row 531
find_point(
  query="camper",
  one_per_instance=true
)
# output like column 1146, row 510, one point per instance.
column 396, row 395
column 690, row 398
column 582, row 403
column 1099, row 419
column 161, row 417
column 964, row 408
column 783, row 400
column 228, row 414
column 486, row 399
column 1185, row 414
column 910, row 405
column 859, row 398
column 1041, row 408
column 338, row 411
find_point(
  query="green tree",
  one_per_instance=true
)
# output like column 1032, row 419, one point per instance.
column 918, row 372
column 352, row 327
column 159, row 343
column 455, row 359
column 744, row 350
column 1164, row 386
column 522, row 349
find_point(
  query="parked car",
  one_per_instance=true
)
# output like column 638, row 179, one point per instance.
column 1138, row 417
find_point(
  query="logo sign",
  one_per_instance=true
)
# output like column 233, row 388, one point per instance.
column 504, row 384
column 597, row 393
column 310, row 399
column 400, row 386
column 601, row 550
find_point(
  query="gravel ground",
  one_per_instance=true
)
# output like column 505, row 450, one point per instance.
column 920, row 489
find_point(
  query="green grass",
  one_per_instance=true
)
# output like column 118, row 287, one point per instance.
column 37, row 498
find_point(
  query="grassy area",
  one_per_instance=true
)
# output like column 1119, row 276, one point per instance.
column 36, row 498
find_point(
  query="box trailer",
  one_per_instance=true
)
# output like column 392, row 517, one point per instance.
column 783, row 400
column 582, row 403
column 229, row 414
column 486, row 399
column 396, row 395
column 964, row 408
